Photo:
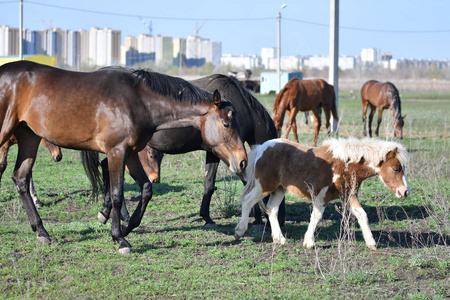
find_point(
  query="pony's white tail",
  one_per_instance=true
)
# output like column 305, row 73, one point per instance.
column 249, row 173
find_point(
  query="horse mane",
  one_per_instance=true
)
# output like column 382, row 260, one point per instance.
column 371, row 150
column 173, row 87
column 396, row 105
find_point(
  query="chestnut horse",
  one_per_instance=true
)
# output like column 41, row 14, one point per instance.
column 256, row 127
column 54, row 150
column 114, row 111
column 305, row 95
column 334, row 170
column 382, row 95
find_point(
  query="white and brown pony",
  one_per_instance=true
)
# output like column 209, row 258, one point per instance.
column 334, row 170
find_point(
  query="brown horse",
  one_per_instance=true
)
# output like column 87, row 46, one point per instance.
column 382, row 95
column 305, row 95
column 54, row 150
column 115, row 111
column 334, row 170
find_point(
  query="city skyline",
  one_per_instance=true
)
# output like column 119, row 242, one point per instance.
column 408, row 29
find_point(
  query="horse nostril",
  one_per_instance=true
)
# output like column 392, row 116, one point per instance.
column 155, row 181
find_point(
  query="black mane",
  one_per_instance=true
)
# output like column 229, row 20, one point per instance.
column 174, row 87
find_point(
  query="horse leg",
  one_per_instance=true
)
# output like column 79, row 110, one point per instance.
column 316, row 215
column 294, row 130
column 372, row 112
column 103, row 216
column 291, row 120
column 380, row 113
column 28, row 144
column 4, row 157
column 363, row 221
column 137, row 172
column 272, row 211
column 211, row 166
column 33, row 195
column 250, row 199
column 116, row 167
column 365, row 104
column 327, row 111
column 317, row 123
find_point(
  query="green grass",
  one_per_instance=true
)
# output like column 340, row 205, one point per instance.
column 176, row 258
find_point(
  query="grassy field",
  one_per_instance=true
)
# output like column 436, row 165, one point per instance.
column 176, row 258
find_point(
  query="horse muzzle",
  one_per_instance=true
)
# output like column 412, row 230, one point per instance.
column 402, row 192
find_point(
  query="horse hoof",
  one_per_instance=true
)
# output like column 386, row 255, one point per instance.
column 373, row 247
column 38, row 204
column 125, row 250
column 237, row 237
column 210, row 225
column 44, row 239
column 101, row 218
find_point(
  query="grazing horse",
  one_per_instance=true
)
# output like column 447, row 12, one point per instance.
column 334, row 170
column 256, row 127
column 382, row 95
column 54, row 150
column 114, row 111
column 305, row 95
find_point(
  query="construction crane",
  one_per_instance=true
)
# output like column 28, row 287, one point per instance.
column 148, row 25
column 199, row 27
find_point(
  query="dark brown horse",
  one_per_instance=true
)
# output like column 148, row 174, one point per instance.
column 54, row 150
column 114, row 111
column 382, row 95
column 256, row 126
column 305, row 95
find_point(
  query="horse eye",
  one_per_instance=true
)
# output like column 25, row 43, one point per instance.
column 226, row 125
column 397, row 170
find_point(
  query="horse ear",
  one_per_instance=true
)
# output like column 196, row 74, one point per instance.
column 404, row 116
column 217, row 98
column 392, row 154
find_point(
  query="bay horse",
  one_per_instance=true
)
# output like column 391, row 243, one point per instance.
column 305, row 95
column 382, row 95
column 114, row 111
column 334, row 170
column 54, row 151
column 256, row 127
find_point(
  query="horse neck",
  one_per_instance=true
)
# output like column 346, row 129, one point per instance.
column 181, row 116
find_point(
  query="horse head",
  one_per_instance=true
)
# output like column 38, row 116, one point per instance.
column 392, row 174
column 398, row 126
column 220, row 131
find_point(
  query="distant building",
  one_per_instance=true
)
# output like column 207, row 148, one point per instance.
column 200, row 50
column 266, row 55
column 370, row 55
column 321, row 62
column 241, row 62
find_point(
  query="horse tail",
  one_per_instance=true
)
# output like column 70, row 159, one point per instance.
column 91, row 163
column 249, row 173
column 279, row 111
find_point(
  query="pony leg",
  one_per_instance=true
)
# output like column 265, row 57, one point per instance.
column 137, row 172
column 28, row 144
column 316, row 216
column 250, row 199
column 363, row 221
column 211, row 166
column 272, row 210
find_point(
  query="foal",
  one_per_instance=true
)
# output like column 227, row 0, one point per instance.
column 334, row 170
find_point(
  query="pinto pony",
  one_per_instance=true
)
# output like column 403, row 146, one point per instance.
column 305, row 95
column 382, row 95
column 115, row 111
column 334, row 170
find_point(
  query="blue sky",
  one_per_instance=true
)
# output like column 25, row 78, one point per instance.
column 406, row 28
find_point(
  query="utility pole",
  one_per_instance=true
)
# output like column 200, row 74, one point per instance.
column 333, row 76
column 21, row 31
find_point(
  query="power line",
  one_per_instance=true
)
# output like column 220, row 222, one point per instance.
column 232, row 19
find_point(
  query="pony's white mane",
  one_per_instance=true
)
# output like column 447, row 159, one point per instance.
column 372, row 150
